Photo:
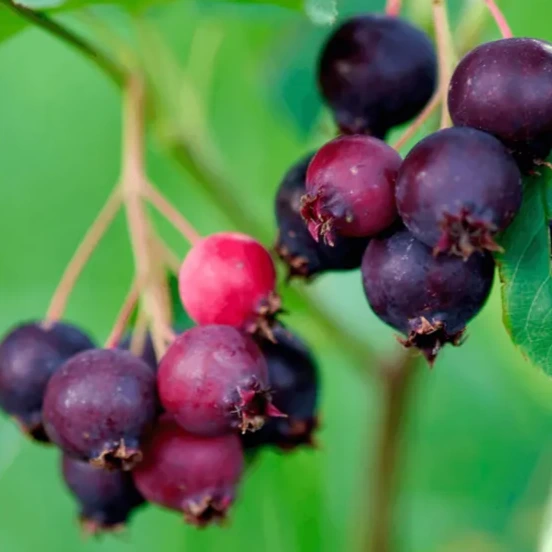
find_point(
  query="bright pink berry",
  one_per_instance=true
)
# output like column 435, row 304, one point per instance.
column 229, row 278
column 191, row 474
column 214, row 379
column 350, row 188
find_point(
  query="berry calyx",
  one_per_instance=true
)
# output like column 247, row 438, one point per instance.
column 229, row 278
column 350, row 188
column 191, row 474
column 100, row 405
column 429, row 299
column 214, row 379
column 456, row 189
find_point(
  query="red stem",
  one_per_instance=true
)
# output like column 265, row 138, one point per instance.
column 498, row 16
column 393, row 7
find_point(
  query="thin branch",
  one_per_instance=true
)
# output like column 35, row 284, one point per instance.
column 46, row 23
column 82, row 255
column 121, row 322
column 499, row 18
column 393, row 7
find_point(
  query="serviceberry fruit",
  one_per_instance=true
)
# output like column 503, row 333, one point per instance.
column 214, row 379
column 293, row 377
column 106, row 498
column 100, row 405
column 456, row 189
column 429, row 299
column 376, row 72
column 29, row 355
column 148, row 352
column 350, row 188
column 229, row 278
column 191, row 474
column 304, row 256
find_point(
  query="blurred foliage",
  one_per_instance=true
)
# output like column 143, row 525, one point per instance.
column 239, row 79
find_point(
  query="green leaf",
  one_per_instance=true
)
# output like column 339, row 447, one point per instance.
column 321, row 12
column 525, row 270
column 40, row 4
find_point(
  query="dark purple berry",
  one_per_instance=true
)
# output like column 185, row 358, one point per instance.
column 100, row 405
column 429, row 299
column 456, row 189
column 29, row 355
column 303, row 255
column 214, row 379
column 376, row 72
column 194, row 475
column 350, row 188
column 106, row 498
column 148, row 351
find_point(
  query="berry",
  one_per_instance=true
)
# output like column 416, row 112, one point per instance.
column 293, row 378
column 148, row 351
column 100, row 405
column 456, row 189
column 229, row 278
column 376, row 72
column 350, row 188
column 29, row 355
column 106, row 498
column 295, row 246
column 214, row 379
column 191, row 474
column 502, row 87
column 429, row 299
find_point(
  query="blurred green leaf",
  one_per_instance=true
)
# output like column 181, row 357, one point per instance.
column 321, row 12
column 40, row 4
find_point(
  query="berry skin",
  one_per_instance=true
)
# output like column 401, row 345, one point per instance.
column 106, row 498
column 376, row 72
column 148, row 353
column 350, row 188
column 191, row 474
column 100, row 405
column 214, row 379
column 429, row 299
column 229, row 278
column 295, row 246
column 293, row 377
column 456, row 189
column 29, row 355
column 505, row 88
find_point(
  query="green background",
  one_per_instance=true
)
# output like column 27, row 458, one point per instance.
column 474, row 470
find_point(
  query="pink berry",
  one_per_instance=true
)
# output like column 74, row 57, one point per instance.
column 214, row 379
column 350, row 188
column 191, row 474
column 229, row 278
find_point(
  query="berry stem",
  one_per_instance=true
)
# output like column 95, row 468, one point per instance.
column 171, row 258
column 499, row 18
column 82, row 254
column 139, row 334
column 121, row 322
column 393, row 7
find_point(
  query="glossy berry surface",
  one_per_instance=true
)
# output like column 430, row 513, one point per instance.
column 29, row 355
column 148, row 351
column 191, row 474
column 100, row 405
column 294, row 383
column 106, row 498
column 505, row 88
column 229, row 278
column 429, row 299
column 351, row 188
column 214, row 379
column 376, row 72
column 456, row 189
column 303, row 255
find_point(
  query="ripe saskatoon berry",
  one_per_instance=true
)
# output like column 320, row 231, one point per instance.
column 295, row 246
column 350, row 188
column 505, row 88
column 293, row 378
column 100, row 405
column 456, row 189
column 106, row 498
column 148, row 351
column 429, row 299
column 376, row 72
column 29, row 355
column 214, row 379
column 229, row 278
column 188, row 473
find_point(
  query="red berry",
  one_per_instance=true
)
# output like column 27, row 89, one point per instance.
column 350, row 188
column 191, row 474
column 229, row 278
column 214, row 379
